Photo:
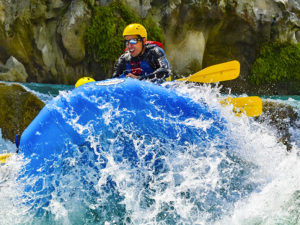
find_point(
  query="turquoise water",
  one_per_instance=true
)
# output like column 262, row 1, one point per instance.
column 253, row 181
column 47, row 91
column 284, row 98
column 293, row 100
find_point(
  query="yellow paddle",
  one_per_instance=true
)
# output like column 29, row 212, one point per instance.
column 250, row 106
column 4, row 157
column 216, row 73
column 212, row 74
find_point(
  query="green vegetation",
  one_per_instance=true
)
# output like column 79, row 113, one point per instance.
column 277, row 62
column 104, row 38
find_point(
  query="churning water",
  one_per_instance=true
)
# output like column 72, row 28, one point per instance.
column 244, row 177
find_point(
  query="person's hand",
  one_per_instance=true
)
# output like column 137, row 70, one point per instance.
column 132, row 76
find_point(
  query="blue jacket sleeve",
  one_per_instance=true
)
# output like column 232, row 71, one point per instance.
column 160, row 63
column 120, row 67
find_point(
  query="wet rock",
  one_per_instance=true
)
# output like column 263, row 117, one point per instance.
column 188, row 53
column 30, row 30
column 282, row 117
column 74, row 24
column 18, row 108
column 13, row 71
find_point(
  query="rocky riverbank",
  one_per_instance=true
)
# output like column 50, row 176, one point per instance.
column 48, row 37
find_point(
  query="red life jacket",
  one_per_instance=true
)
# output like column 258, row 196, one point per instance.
column 159, row 44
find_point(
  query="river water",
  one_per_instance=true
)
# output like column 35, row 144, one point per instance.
column 254, row 181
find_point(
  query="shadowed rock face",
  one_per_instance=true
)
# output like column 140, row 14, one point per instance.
column 47, row 37
column 281, row 117
column 13, row 70
column 231, row 30
column 18, row 108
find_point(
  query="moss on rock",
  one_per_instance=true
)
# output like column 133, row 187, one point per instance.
column 18, row 108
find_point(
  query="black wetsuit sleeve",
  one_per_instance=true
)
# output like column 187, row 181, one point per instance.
column 120, row 67
column 159, row 63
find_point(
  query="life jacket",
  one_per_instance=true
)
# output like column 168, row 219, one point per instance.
column 140, row 68
column 159, row 44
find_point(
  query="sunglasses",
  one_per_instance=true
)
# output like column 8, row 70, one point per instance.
column 132, row 41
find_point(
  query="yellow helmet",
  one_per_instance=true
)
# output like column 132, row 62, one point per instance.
column 135, row 29
column 83, row 80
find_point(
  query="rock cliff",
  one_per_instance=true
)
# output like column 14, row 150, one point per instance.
column 47, row 37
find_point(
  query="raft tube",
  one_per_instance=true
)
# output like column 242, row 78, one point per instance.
column 107, row 117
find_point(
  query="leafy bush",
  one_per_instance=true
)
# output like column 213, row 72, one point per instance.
column 104, row 38
column 276, row 62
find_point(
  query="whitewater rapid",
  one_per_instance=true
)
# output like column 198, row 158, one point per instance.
column 253, row 181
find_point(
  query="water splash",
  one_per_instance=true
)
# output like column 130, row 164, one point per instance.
column 245, row 177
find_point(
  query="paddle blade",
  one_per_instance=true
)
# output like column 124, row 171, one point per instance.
column 250, row 106
column 4, row 157
column 216, row 73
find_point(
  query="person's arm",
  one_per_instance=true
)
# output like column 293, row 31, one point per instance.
column 160, row 63
column 120, row 67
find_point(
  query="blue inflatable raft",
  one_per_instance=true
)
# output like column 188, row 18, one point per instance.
column 132, row 121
